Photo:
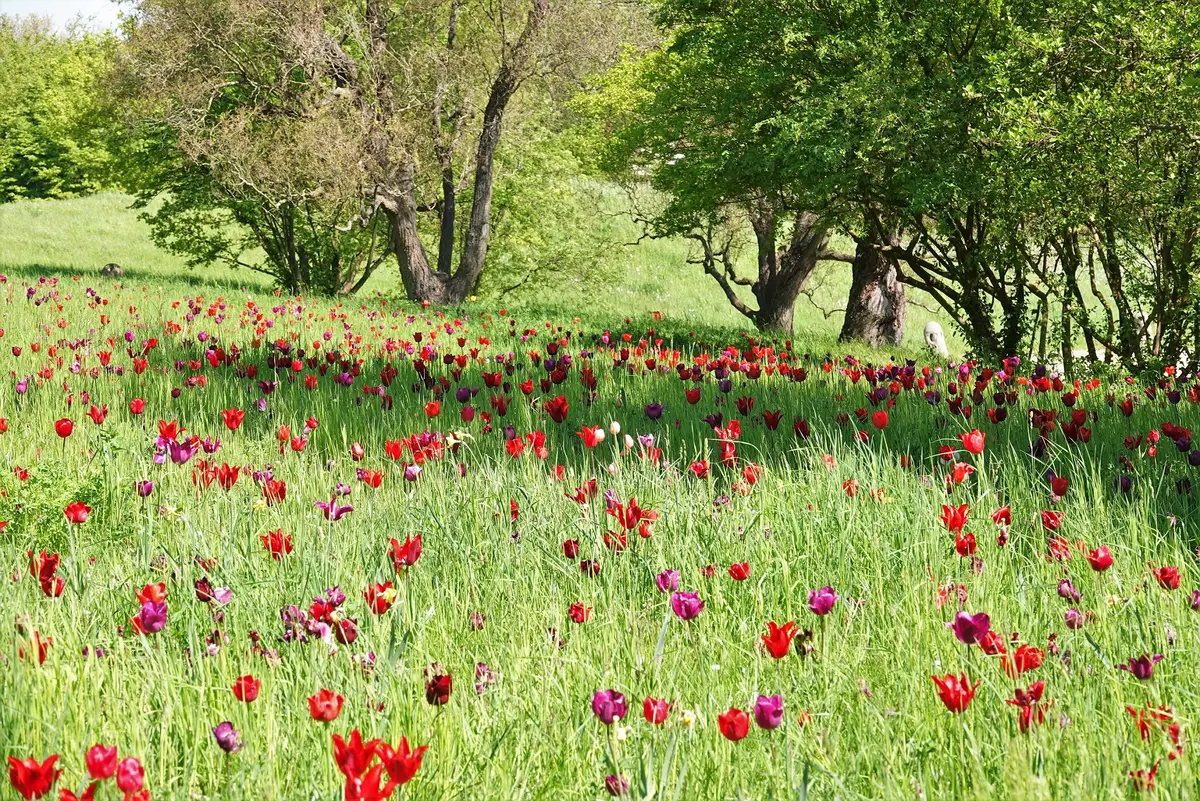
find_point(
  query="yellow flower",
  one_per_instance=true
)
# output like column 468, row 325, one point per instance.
column 688, row 718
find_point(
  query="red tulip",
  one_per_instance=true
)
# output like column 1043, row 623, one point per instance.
column 778, row 639
column 1024, row 659
column 879, row 419
column 1032, row 708
column 954, row 518
column 734, row 724
column 246, row 688
column 405, row 554
column 557, row 408
column 433, row 408
column 380, row 597
column 233, row 418
column 131, row 776
column 137, row 406
column 1167, row 577
column 31, row 779
column 275, row 491
column 973, row 441
column 353, row 756
column 401, row 764
column 1100, row 559
column 277, row 543
column 64, row 427
column 152, row 593
column 77, row 512
column 1051, row 520
column 956, row 692
column 591, row 436
column 739, row 571
column 101, row 761
column 438, row 689
column 654, row 710
column 579, row 613
column 1058, row 486
column 325, row 705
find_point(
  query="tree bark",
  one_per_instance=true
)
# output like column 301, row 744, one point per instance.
column 479, row 228
column 777, row 289
column 877, row 307
column 420, row 282
column 445, row 153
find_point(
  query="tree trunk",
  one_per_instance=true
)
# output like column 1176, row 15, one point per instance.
column 776, row 291
column 876, row 307
column 420, row 282
column 479, row 226
column 776, row 312
column 445, row 153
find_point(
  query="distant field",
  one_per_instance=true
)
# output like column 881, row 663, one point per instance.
column 67, row 237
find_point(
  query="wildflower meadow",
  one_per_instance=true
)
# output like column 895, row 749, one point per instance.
column 282, row 548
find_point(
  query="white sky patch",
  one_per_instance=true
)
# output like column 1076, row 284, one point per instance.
column 96, row 14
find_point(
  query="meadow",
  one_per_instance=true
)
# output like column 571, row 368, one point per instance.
column 293, row 548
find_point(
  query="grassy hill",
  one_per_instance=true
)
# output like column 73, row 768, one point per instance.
column 69, row 237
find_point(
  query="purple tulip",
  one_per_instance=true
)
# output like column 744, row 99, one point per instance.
column 1195, row 600
column 180, row 453
column 821, row 601
column 616, row 785
column 145, row 488
column 227, row 737
column 668, row 581
column 609, row 706
column 1141, row 667
column 970, row 629
column 153, row 616
column 1074, row 618
column 332, row 509
column 1067, row 591
column 768, row 711
column 654, row 410
column 686, row 605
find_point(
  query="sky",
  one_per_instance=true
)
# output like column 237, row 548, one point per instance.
column 99, row 14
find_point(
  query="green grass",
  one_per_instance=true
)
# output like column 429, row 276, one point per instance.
column 874, row 726
column 78, row 237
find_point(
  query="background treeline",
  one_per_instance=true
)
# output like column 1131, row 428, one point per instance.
column 1029, row 168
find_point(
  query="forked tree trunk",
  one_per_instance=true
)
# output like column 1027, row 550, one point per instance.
column 420, row 281
column 783, row 275
column 397, row 196
column 876, row 308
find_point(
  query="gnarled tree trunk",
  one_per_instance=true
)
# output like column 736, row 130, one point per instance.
column 876, row 307
column 395, row 193
column 778, row 288
column 782, row 274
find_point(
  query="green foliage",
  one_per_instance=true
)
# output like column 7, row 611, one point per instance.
column 548, row 223
column 1019, row 149
column 54, row 133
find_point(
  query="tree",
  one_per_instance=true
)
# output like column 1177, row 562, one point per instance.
column 355, row 115
column 54, row 137
column 719, row 162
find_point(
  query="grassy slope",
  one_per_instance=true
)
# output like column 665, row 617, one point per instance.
column 80, row 236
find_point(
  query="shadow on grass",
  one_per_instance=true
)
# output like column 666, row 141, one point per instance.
column 132, row 277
